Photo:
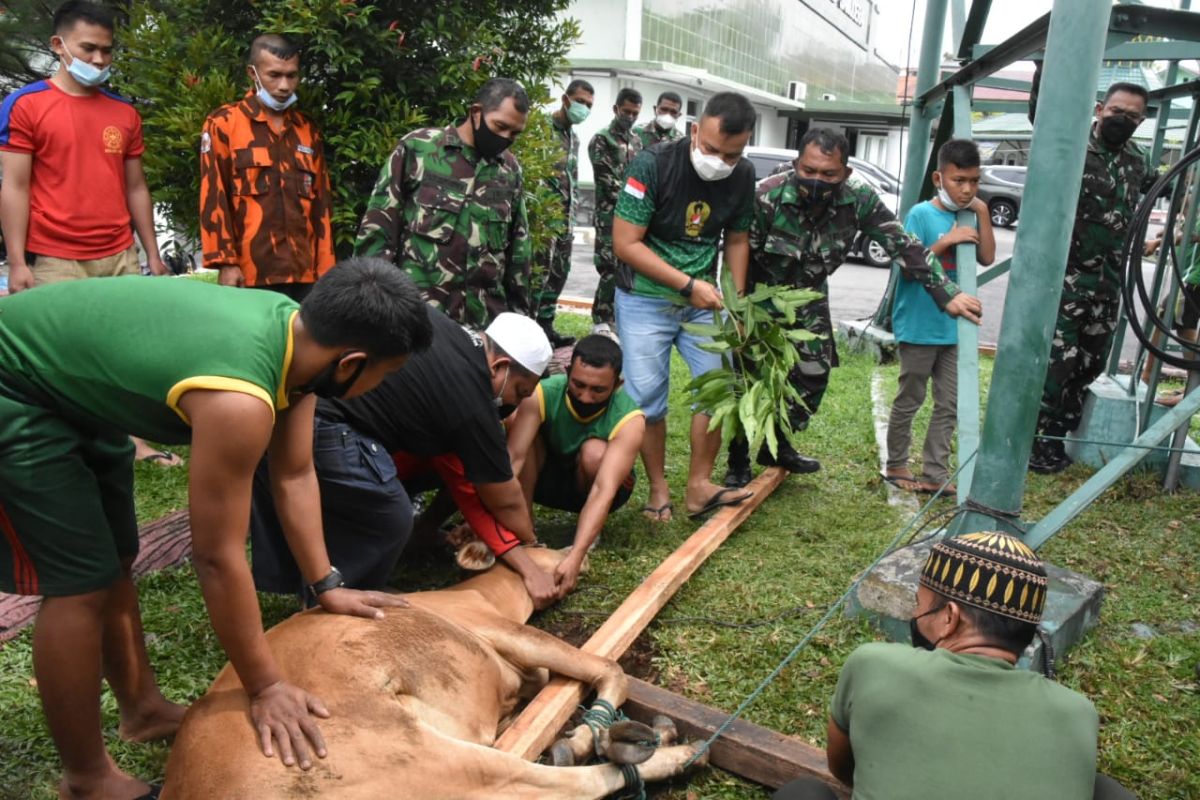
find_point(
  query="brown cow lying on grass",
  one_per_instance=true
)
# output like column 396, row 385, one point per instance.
column 416, row 701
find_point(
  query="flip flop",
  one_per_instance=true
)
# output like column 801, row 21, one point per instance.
column 167, row 459
column 658, row 512
column 718, row 500
column 908, row 484
column 155, row 791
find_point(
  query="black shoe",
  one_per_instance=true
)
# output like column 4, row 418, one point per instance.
column 1049, row 457
column 738, row 474
column 789, row 459
column 557, row 339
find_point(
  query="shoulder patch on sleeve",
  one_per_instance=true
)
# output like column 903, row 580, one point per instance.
column 635, row 187
column 205, row 142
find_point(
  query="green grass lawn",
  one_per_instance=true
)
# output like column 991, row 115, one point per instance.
column 790, row 560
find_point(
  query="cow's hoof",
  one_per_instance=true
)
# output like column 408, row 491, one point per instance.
column 628, row 742
column 702, row 761
column 475, row 556
column 561, row 754
column 664, row 726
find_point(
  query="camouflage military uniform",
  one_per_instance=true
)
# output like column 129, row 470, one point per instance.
column 555, row 263
column 1091, row 296
column 610, row 150
column 650, row 134
column 789, row 247
column 455, row 222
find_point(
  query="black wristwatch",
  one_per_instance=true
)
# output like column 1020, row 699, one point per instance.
column 686, row 291
column 333, row 580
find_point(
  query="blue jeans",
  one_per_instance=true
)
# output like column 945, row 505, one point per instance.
column 365, row 510
column 648, row 326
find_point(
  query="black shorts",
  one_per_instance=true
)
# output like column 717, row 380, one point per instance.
column 558, row 487
column 1187, row 312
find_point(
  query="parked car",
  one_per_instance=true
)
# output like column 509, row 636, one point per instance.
column 1001, row 187
column 767, row 160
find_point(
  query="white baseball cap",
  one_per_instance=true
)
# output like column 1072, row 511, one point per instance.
column 523, row 339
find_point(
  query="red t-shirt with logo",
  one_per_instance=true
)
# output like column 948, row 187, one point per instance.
column 77, row 204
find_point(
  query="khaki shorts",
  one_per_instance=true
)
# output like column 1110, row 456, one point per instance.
column 48, row 269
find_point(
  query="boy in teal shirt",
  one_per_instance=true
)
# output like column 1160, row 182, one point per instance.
column 927, row 337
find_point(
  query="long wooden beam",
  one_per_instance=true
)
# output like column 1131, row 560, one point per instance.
column 534, row 730
column 751, row 751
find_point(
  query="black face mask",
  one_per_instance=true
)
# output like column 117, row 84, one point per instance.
column 1116, row 130
column 624, row 123
column 324, row 385
column 506, row 410
column 819, row 192
column 920, row 640
column 488, row 143
column 585, row 410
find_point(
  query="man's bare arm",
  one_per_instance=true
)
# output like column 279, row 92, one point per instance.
column 629, row 245
column 141, row 210
column 618, row 461
column 838, row 753
column 737, row 257
column 523, row 431
column 14, row 216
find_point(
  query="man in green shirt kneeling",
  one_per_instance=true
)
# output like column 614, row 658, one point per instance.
column 952, row 716
column 573, row 443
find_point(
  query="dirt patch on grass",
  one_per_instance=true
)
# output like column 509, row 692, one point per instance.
column 638, row 660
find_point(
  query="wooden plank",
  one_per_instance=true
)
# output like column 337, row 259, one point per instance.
column 750, row 751
column 534, row 730
column 162, row 543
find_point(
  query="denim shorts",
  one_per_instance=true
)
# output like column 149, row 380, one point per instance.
column 648, row 326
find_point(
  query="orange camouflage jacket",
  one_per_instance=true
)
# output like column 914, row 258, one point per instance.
column 265, row 200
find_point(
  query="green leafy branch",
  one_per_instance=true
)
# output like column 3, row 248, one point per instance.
column 756, row 337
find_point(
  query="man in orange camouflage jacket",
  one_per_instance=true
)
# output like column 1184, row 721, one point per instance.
column 265, row 200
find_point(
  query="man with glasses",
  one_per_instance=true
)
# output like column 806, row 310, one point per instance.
column 1115, row 172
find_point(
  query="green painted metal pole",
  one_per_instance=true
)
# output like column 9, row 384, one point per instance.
column 1111, row 472
column 920, row 122
column 968, row 332
column 928, row 75
column 958, row 22
column 1075, row 44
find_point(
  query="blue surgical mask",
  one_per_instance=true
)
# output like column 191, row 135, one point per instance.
column 84, row 73
column 268, row 100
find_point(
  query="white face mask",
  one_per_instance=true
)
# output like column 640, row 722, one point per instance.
column 666, row 121
column 268, row 99
column 710, row 168
column 949, row 204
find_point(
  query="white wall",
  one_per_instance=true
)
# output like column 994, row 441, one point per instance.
column 604, row 27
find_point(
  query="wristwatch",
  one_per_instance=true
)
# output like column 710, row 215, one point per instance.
column 333, row 580
column 686, row 291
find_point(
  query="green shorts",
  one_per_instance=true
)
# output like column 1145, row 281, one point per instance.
column 558, row 487
column 67, row 519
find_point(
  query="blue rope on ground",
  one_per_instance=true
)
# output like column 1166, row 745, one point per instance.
column 767, row 681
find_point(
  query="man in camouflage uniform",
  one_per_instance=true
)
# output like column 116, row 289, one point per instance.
column 662, row 127
column 555, row 263
column 805, row 221
column 611, row 150
column 1115, row 171
column 449, row 209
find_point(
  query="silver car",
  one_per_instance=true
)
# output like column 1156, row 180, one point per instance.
column 1001, row 187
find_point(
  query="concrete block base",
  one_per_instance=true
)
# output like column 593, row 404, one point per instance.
column 1110, row 414
column 888, row 597
column 863, row 337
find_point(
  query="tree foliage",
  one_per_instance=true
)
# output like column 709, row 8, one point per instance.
column 371, row 71
column 757, row 334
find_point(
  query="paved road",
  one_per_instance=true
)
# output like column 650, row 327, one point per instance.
column 855, row 289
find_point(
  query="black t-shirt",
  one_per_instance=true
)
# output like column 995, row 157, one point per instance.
column 439, row 402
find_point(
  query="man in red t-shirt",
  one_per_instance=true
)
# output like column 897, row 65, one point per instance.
column 71, row 154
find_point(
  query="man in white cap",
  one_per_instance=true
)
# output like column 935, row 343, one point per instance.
column 437, row 418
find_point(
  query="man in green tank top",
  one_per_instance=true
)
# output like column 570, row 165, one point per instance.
column 573, row 443
column 83, row 364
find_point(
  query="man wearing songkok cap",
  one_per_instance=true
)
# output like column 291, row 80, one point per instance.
column 952, row 716
column 438, row 418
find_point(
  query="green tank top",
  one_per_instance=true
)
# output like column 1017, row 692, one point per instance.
column 119, row 353
column 565, row 431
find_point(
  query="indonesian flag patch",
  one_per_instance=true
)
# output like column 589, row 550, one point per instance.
column 635, row 187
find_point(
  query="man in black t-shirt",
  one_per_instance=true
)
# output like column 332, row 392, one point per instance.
column 439, row 414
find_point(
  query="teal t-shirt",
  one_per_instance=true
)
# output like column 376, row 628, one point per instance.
column 916, row 319
column 940, row 725
column 728, row 202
